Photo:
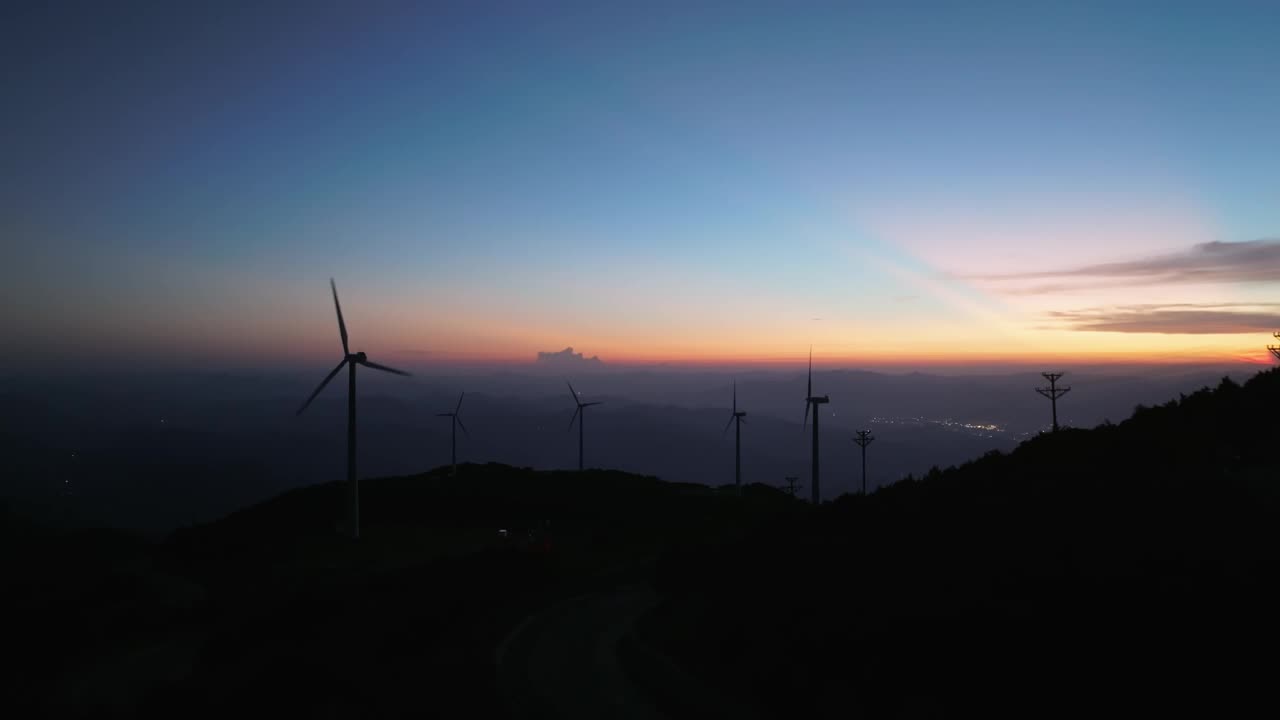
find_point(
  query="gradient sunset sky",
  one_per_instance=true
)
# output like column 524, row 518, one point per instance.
column 898, row 182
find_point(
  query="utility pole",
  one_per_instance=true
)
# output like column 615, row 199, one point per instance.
column 1053, row 392
column 863, row 440
column 1275, row 349
column 792, row 486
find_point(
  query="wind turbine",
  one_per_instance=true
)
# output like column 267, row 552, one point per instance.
column 736, row 418
column 454, row 424
column 581, row 416
column 351, row 360
column 814, row 401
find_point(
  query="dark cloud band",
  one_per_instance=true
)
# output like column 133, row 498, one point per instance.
column 1254, row 261
column 1178, row 319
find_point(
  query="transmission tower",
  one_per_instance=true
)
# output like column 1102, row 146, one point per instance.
column 863, row 440
column 1275, row 349
column 1053, row 392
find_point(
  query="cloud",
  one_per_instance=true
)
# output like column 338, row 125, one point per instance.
column 1214, row 262
column 568, row 359
column 1174, row 319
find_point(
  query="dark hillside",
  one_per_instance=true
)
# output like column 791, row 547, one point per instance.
column 271, row 610
column 1128, row 568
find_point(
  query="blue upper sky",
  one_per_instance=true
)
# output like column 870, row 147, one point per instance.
column 644, row 181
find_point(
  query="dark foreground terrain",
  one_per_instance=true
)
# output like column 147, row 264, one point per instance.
column 272, row 610
column 1130, row 569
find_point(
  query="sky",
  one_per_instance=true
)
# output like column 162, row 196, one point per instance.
column 892, row 183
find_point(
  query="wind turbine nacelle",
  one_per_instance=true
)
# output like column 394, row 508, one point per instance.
column 358, row 357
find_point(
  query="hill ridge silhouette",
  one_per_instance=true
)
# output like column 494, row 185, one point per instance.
column 1091, row 568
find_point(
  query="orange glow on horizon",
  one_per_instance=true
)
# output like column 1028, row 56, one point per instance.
column 828, row 361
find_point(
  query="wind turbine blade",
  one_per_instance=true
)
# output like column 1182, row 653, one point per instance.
column 809, row 392
column 735, row 396
column 598, row 402
column 321, row 387
column 806, row 416
column 342, row 326
column 384, row 368
column 726, row 425
column 464, row 427
column 455, row 410
column 575, row 416
column 573, row 392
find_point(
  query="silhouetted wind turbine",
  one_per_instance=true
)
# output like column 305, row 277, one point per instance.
column 453, row 434
column 351, row 360
column 736, row 419
column 581, row 416
column 813, row 401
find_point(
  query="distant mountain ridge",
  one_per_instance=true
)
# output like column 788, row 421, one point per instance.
column 94, row 451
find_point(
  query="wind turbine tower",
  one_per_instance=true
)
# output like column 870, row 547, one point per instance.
column 350, row 360
column 580, row 415
column 736, row 419
column 813, row 401
column 454, row 424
